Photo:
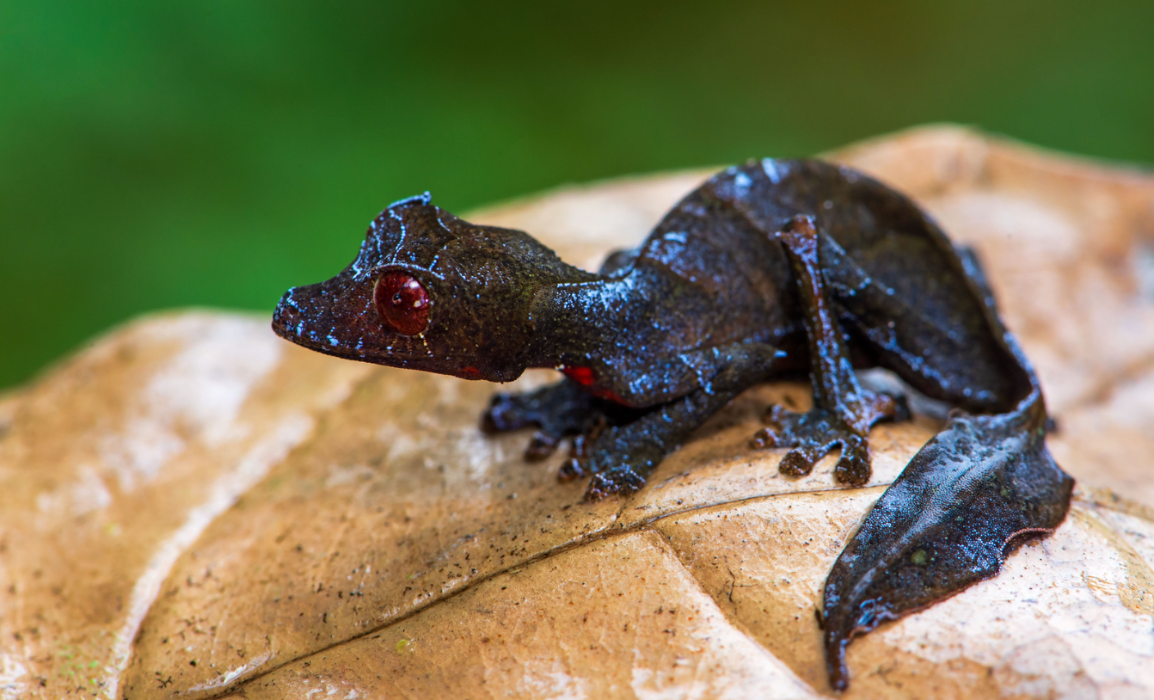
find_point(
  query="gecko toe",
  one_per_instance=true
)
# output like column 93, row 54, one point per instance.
column 505, row 413
column 800, row 460
column 853, row 467
column 619, row 481
column 541, row 446
column 764, row 439
column 571, row 470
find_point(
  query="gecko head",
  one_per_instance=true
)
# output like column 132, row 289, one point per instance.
column 427, row 291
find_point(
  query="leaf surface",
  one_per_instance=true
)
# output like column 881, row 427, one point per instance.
column 191, row 506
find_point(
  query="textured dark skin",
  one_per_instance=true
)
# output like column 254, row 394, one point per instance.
column 767, row 269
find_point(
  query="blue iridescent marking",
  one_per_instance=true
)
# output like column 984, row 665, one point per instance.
column 769, row 165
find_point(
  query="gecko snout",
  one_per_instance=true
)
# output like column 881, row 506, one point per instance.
column 289, row 319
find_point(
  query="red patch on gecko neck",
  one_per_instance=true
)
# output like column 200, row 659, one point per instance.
column 585, row 377
column 581, row 375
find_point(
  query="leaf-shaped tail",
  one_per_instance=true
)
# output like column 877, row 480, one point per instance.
column 976, row 491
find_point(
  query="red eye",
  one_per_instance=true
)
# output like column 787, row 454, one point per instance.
column 402, row 302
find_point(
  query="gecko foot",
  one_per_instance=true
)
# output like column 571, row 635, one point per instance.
column 557, row 410
column 617, row 457
column 813, row 434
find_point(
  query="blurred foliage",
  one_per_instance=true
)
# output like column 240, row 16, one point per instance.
column 214, row 153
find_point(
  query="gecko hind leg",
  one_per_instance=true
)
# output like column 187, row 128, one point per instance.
column 843, row 411
column 558, row 410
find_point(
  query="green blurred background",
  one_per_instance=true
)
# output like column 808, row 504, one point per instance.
column 213, row 153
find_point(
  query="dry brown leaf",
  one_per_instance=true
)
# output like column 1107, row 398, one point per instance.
column 192, row 506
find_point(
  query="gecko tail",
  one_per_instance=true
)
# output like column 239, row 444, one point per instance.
column 973, row 494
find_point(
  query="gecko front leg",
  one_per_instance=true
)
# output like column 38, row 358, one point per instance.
column 623, row 456
column 843, row 412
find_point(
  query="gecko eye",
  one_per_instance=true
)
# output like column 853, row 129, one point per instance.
column 402, row 303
